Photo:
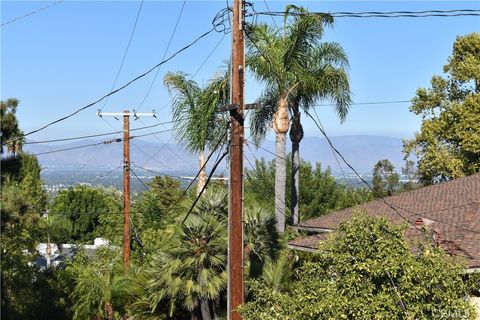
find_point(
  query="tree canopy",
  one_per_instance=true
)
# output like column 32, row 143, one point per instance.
column 88, row 210
column 367, row 270
column 448, row 144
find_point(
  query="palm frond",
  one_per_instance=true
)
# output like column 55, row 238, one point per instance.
column 261, row 118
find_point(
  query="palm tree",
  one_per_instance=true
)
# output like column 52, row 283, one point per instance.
column 191, row 273
column 102, row 288
column 261, row 238
column 298, row 70
column 195, row 121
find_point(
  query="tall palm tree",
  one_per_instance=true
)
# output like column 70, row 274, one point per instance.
column 195, row 121
column 298, row 70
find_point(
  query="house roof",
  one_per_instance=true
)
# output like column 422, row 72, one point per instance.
column 451, row 209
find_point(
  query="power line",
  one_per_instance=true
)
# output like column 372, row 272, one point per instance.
column 93, row 135
column 164, row 54
column 367, row 103
column 125, row 53
column 78, row 147
column 205, row 185
column 165, row 145
column 98, row 143
column 271, row 16
column 333, row 147
column 198, row 69
column 381, row 14
column 336, row 159
column 31, row 13
column 123, row 86
column 151, row 133
column 266, row 150
column 199, row 171
column 356, row 172
column 392, row 206
column 146, row 187
column 159, row 173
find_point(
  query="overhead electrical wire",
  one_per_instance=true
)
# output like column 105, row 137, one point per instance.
column 31, row 13
column 159, row 173
column 380, row 14
column 217, row 22
column 215, row 165
column 198, row 69
column 392, row 206
column 367, row 103
column 143, row 183
column 97, row 143
column 126, row 51
column 77, row 147
column 93, row 135
column 333, row 147
column 212, row 152
column 336, row 159
column 164, row 55
column 203, row 35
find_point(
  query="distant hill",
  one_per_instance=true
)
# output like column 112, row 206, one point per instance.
column 362, row 151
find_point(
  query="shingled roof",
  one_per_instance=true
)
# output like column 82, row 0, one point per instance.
column 450, row 209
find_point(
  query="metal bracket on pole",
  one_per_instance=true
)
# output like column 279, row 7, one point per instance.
column 234, row 106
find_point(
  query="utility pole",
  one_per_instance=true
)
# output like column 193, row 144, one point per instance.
column 235, row 212
column 126, row 177
column 126, row 189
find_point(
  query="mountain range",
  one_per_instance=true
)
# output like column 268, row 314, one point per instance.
column 361, row 151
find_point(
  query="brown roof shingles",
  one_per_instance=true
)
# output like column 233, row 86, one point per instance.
column 454, row 207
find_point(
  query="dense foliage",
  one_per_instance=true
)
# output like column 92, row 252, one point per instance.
column 27, row 292
column 319, row 194
column 86, row 213
column 448, row 144
column 178, row 266
column 367, row 270
column 11, row 136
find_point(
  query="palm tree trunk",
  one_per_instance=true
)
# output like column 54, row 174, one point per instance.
column 280, row 180
column 202, row 177
column 296, row 135
column 205, row 309
column 280, row 125
column 109, row 310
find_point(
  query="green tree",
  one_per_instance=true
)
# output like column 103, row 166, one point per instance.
column 92, row 212
column 298, row 70
column 367, row 270
column 189, row 272
column 262, row 242
column 448, row 144
column 11, row 136
column 410, row 173
column 386, row 180
column 101, row 288
column 319, row 194
column 155, row 206
column 196, row 122
column 27, row 291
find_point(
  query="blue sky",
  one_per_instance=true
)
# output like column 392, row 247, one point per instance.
column 67, row 56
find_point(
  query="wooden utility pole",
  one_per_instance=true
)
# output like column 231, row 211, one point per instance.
column 126, row 189
column 235, row 213
column 126, row 177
